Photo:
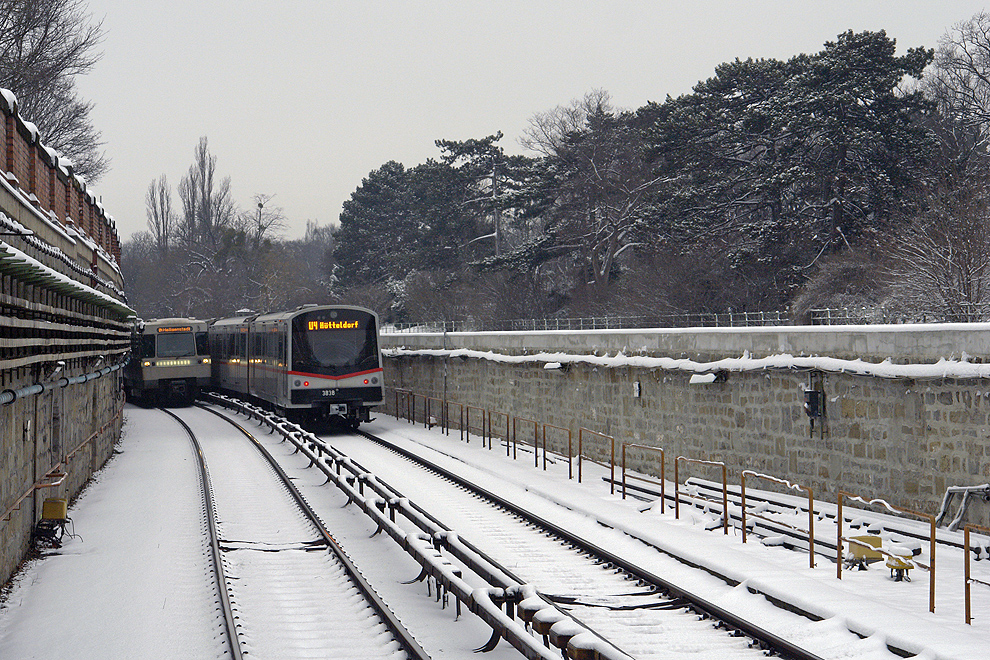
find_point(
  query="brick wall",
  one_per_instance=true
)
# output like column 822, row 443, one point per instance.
column 23, row 157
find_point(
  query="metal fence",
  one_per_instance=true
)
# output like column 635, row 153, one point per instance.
column 824, row 316
column 962, row 313
column 696, row 320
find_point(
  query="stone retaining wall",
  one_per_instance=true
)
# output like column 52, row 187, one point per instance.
column 900, row 439
column 71, row 430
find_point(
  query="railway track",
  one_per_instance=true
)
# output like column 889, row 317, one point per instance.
column 288, row 589
column 578, row 598
column 637, row 612
column 768, row 505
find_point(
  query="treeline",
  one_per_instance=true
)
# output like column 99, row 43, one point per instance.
column 205, row 257
column 852, row 176
column 849, row 177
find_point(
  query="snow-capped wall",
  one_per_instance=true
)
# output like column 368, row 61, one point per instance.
column 901, row 344
column 903, row 423
column 42, row 192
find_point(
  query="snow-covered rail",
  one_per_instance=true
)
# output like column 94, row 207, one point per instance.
column 229, row 619
column 596, row 608
column 291, row 592
column 625, row 605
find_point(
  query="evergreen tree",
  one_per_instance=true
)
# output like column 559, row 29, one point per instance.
column 777, row 162
column 378, row 229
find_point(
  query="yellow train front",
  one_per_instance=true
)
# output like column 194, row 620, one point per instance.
column 315, row 363
column 169, row 361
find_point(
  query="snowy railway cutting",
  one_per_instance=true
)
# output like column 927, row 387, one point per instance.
column 567, row 592
column 453, row 568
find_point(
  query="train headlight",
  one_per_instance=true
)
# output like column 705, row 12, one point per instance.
column 205, row 361
column 305, row 383
column 146, row 363
column 366, row 381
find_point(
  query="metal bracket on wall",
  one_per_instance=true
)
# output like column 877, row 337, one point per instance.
column 814, row 403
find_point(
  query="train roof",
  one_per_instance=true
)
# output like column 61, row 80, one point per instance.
column 170, row 322
column 232, row 320
column 285, row 316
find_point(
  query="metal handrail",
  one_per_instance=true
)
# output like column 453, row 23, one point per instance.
column 611, row 462
column 966, row 573
column 491, row 429
column 536, row 435
column 784, row 482
column 663, row 479
column 570, row 448
column 725, row 488
column 672, row 320
column 895, row 509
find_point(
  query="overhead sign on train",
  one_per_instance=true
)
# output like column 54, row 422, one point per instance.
column 333, row 325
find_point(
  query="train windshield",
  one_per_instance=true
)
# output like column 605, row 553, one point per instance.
column 176, row 344
column 334, row 342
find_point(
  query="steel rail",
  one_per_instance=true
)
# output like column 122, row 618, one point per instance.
column 783, row 647
column 228, row 613
column 505, row 590
column 401, row 634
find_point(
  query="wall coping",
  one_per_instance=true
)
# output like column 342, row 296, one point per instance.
column 968, row 343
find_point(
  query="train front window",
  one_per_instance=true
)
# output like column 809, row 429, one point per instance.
column 144, row 347
column 176, row 344
column 334, row 345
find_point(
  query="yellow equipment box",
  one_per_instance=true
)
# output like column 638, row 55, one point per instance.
column 55, row 508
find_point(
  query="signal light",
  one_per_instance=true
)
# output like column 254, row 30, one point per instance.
column 305, row 383
column 365, row 381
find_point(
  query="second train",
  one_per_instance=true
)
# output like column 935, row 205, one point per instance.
column 314, row 364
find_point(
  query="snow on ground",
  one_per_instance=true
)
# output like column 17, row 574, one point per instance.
column 136, row 584
column 869, row 602
column 129, row 586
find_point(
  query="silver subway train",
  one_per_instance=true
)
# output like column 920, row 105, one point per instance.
column 170, row 361
column 315, row 363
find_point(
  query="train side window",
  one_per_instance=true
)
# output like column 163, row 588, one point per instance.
column 202, row 344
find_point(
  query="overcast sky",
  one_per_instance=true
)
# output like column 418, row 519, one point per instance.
column 301, row 99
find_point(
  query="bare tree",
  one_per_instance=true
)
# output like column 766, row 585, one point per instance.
column 263, row 220
column 161, row 217
column 44, row 44
column 961, row 75
column 603, row 181
column 207, row 208
column 942, row 263
column 548, row 131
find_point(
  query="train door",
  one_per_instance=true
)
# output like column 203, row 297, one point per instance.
column 282, row 365
column 242, row 364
